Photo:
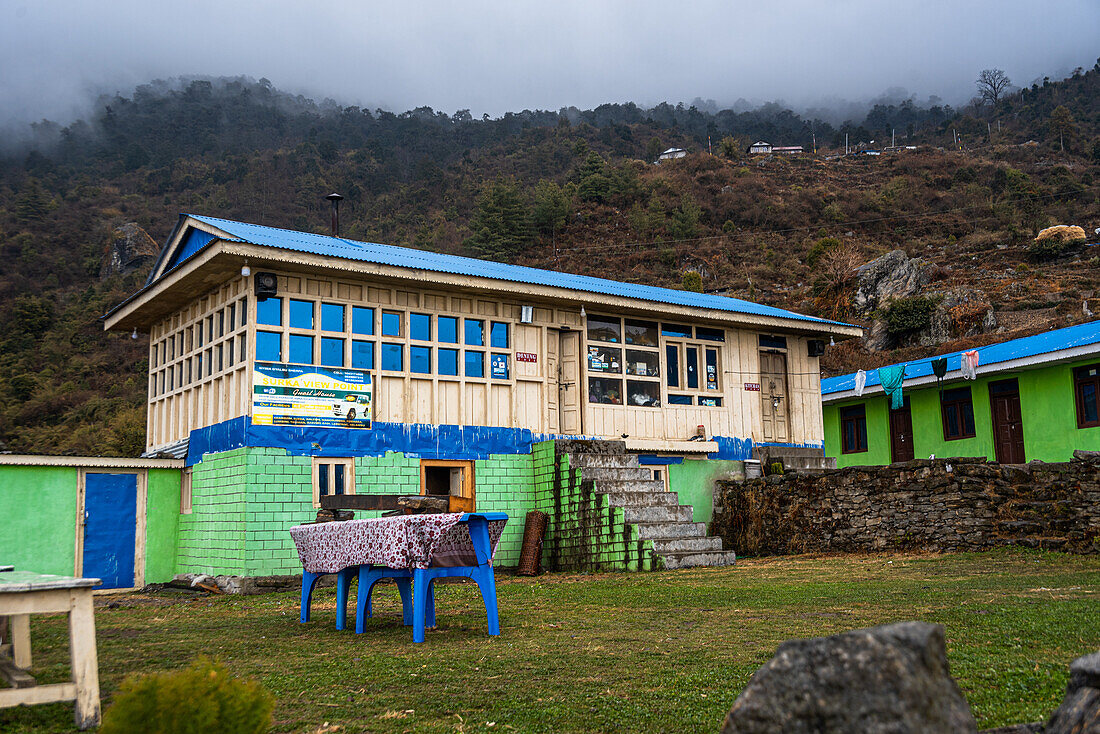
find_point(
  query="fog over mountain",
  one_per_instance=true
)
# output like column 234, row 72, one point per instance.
column 831, row 59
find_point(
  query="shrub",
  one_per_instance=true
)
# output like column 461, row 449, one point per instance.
column 908, row 315
column 203, row 697
column 693, row 281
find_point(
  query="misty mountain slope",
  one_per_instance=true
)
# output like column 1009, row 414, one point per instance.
column 574, row 190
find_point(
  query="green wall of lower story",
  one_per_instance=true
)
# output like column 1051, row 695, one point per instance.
column 693, row 482
column 1047, row 405
column 162, row 512
column 38, row 518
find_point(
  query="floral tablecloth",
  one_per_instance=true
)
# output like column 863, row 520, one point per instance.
column 403, row 541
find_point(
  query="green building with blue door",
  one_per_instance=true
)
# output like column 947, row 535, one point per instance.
column 1035, row 398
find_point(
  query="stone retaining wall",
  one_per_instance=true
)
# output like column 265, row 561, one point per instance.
column 954, row 504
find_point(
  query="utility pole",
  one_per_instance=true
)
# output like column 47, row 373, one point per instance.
column 893, row 143
column 845, row 143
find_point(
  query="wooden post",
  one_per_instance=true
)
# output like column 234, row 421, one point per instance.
column 85, row 665
column 20, row 625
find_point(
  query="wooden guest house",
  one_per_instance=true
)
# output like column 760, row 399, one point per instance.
column 285, row 367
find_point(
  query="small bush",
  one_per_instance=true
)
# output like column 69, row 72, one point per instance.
column 203, row 697
column 909, row 315
column 1051, row 248
column 692, row 281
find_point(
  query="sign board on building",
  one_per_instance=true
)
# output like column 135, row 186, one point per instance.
column 527, row 357
column 752, row 386
column 307, row 395
column 498, row 367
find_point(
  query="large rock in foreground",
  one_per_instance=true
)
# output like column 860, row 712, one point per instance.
column 889, row 679
column 1080, row 710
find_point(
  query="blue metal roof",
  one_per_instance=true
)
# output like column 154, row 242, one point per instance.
column 437, row 262
column 1029, row 346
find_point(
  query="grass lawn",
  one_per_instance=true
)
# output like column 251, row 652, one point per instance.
column 653, row 652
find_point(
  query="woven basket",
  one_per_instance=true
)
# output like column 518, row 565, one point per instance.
column 530, row 555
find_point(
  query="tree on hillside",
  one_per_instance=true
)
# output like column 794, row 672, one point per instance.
column 1063, row 125
column 551, row 207
column 992, row 84
column 500, row 225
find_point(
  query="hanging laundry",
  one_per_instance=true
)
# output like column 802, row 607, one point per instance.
column 891, row 379
column 939, row 369
column 861, row 381
column 969, row 364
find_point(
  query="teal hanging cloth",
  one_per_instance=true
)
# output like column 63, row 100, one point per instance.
column 891, row 378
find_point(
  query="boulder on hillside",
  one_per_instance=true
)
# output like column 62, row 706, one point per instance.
column 892, row 276
column 891, row 678
column 1080, row 710
column 129, row 248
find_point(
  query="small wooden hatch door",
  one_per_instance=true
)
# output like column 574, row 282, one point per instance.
column 1008, row 422
column 454, row 479
column 901, row 433
column 773, row 395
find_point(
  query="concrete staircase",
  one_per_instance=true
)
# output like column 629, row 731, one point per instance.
column 654, row 511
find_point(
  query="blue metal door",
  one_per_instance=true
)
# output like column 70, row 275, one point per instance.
column 110, row 525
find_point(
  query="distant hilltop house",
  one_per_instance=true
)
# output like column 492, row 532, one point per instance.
column 672, row 153
column 760, row 146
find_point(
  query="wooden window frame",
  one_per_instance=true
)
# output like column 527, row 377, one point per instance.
column 959, row 404
column 469, row 486
column 185, row 492
column 1079, row 395
column 349, row 474
column 860, row 422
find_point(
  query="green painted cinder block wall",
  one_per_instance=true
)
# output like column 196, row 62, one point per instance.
column 38, row 518
column 1047, row 404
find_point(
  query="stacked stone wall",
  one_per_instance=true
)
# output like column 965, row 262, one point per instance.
column 954, row 504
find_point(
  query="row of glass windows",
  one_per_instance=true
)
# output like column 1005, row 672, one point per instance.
column 199, row 366
column 301, row 314
column 645, row 333
column 642, row 394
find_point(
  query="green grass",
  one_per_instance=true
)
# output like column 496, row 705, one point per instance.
column 665, row 651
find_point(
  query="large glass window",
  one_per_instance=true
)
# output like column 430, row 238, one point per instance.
column 678, row 331
column 448, row 329
column 420, row 327
column 712, row 373
column 498, row 335
column 957, row 410
column 474, row 332
column 710, row 335
column 332, row 317
column 641, row 333
column 332, row 352
column 605, row 359
column 605, row 390
column 672, row 365
column 643, row 363
column 362, row 354
column 269, row 347
column 691, row 363
column 301, row 349
column 475, row 364
column 853, row 429
column 643, row 393
column 604, row 329
column 269, row 311
column 420, row 360
column 393, row 357
column 1086, row 386
column 447, row 362
column 301, row 314
column 362, row 320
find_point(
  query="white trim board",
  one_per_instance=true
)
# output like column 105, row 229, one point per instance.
column 95, row 462
column 1035, row 360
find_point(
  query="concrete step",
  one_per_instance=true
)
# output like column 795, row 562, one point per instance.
column 685, row 545
column 605, row 461
column 600, row 472
column 668, row 530
column 658, row 513
column 629, row 485
column 690, row 559
column 640, row 499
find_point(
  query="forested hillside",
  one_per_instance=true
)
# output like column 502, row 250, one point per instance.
column 571, row 190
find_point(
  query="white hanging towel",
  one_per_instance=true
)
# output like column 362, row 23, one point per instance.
column 861, row 381
column 968, row 365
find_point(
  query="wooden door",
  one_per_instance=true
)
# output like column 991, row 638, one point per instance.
column 1008, row 423
column 773, row 395
column 901, row 434
column 553, row 368
column 569, row 376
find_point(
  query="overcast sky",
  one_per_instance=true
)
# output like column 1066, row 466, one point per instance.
column 499, row 56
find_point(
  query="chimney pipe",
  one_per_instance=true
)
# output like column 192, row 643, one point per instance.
column 335, row 199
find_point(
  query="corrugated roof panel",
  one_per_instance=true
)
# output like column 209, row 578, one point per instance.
column 1029, row 346
column 456, row 265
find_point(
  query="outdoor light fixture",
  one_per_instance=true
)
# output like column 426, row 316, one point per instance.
column 526, row 315
column 831, row 342
column 133, row 335
column 583, row 314
column 245, row 271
